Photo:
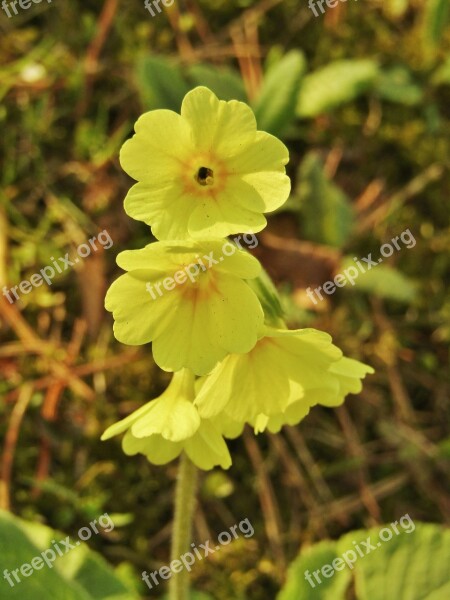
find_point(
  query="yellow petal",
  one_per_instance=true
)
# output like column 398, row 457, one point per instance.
column 139, row 317
column 203, row 331
column 157, row 450
column 262, row 166
column 151, row 154
column 175, row 419
column 125, row 424
column 216, row 124
column 280, row 370
column 349, row 372
column 225, row 215
column 166, row 207
column 207, row 448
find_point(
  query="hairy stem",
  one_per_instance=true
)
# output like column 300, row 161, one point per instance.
column 182, row 526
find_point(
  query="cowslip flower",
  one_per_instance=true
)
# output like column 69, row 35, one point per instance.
column 190, row 299
column 169, row 425
column 349, row 374
column 205, row 173
column 286, row 373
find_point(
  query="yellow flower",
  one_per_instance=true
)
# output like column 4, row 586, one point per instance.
column 188, row 298
column 285, row 374
column 349, row 374
column 169, row 425
column 205, row 173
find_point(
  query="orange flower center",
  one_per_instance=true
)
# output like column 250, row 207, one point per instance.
column 203, row 175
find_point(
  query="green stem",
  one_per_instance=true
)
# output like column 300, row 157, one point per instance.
column 182, row 525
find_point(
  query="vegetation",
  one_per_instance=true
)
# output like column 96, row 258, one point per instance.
column 361, row 97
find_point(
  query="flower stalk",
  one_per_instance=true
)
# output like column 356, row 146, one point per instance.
column 185, row 500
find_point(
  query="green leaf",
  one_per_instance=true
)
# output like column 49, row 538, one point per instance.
column 297, row 585
column 160, row 83
column 397, row 85
column 275, row 106
column 80, row 574
column 327, row 215
column 382, row 281
column 339, row 82
column 437, row 14
column 268, row 296
column 225, row 83
column 410, row 565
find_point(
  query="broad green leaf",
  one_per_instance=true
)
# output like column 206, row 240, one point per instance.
column 326, row 212
column 436, row 19
column 225, row 83
column 160, row 83
column 339, row 82
column 17, row 550
column 275, row 105
column 302, row 569
column 381, row 280
column 397, row 85
column 443, row 593
column 380, row 564
column 409, row 566
column 79, row 574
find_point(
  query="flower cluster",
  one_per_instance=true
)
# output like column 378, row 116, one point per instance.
column 203, row 175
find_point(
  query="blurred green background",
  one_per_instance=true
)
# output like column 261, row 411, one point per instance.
column 361, row 96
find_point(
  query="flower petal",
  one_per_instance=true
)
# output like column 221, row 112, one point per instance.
column 245, row 385
column 292, row 416
column 216, row 124
column 136, row 316
column 262, row 166
column 154, row 259
column 349, row 373
column 228, row 427
column 165, row 207
column 151, row 154
column 175, row 419
column 125, row 424
column 209, row 327
column 207, row 448
column 157, row 450
column 226, row 215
